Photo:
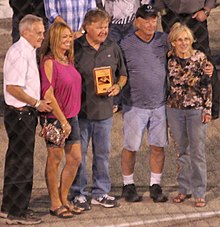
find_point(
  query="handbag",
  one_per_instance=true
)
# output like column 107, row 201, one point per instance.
column 53, row 134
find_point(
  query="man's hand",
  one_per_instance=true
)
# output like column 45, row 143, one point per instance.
column 44, row 106
column 209, row 68
column 200, row 16
column 59, row 19
column 77, row 34
column 114, row 90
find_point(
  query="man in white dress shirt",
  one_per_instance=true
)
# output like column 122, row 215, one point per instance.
column 22, row 98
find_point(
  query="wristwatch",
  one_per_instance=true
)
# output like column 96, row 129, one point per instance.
column 82, row 31
column 163, row 12
column 206, row 12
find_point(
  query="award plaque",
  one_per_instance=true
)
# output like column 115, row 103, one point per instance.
column 103, row 79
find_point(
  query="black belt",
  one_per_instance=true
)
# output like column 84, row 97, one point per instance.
column 22, row 109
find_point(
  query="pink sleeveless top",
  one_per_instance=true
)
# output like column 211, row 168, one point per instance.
column 67, row 85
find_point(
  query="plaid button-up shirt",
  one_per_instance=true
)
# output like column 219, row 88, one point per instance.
column 72, row 11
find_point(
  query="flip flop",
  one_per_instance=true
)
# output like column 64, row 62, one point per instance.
column 179, row 198
column 62, row 212
column 200, row 202
column 72, row 208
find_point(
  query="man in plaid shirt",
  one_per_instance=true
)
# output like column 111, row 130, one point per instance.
column 68, row 11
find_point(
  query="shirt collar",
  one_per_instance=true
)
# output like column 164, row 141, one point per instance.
column 27, row 44
column 84, row 41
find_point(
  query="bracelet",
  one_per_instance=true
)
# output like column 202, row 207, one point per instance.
column 206, row 12
column 37, row 104
column 120, row 86
column 63, row 125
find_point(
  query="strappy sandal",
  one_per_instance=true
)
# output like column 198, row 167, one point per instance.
column 72, row 208
column 62, row 212
column 179, row 198
column 200, row 202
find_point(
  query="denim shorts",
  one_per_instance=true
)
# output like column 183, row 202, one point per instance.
column 137, row 120
column 74, row 136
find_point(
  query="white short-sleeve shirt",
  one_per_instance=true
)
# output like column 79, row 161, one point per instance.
column 20, row 68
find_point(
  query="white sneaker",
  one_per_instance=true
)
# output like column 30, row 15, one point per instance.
column 105, row 201
column 82, row 203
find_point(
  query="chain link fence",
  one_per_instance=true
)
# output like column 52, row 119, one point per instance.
column 131, row 213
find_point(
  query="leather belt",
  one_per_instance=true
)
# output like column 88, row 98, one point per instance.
column 22, row 109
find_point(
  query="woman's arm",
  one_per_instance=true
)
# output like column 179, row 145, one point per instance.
column 49, row 94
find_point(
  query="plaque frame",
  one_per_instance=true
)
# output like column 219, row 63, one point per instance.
column 103, row 79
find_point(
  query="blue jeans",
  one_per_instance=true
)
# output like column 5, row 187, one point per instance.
column 100, row 133
column 189, row 134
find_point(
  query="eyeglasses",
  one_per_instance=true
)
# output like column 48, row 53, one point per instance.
column 181, row 40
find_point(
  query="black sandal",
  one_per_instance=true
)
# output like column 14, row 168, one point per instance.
column 62, row 212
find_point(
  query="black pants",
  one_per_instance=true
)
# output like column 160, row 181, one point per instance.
column 23, row 7
column 200, row 31
column 18, row 175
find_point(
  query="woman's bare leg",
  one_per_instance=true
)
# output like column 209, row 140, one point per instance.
column 73, row 160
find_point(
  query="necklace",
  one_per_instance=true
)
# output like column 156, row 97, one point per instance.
column 63, row 59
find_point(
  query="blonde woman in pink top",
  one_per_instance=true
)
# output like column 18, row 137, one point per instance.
column 61, row 83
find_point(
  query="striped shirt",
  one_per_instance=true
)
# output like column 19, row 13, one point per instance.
column 122, row 12
column 72, row 11
column 146, row 65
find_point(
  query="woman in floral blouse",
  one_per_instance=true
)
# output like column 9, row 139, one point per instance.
column 189, row 106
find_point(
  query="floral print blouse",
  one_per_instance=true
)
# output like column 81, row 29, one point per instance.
column 188, row 86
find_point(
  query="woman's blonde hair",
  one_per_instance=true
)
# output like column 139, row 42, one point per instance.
column 175, row 32
column 53, row 39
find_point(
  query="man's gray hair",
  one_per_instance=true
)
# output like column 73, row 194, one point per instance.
column 27, row 22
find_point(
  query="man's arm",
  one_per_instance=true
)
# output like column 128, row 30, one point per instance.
column 203, row 14
column 209, row 4
column 51, row 11
column 159, row 5
column 116, row 88
column 19, row 94
column 100, row 4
